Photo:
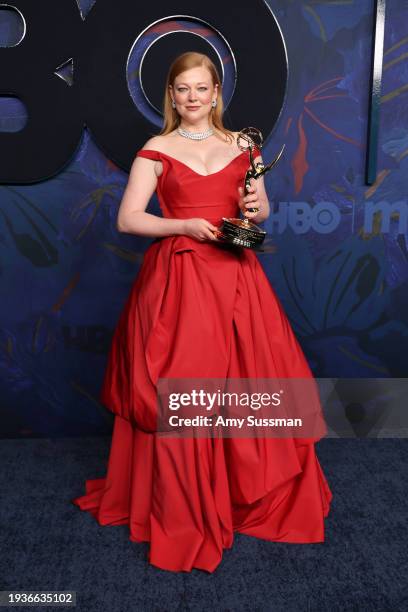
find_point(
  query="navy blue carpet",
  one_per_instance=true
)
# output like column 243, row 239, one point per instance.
column 49, row 544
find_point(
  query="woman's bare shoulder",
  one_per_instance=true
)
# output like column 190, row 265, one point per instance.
column 157, row 143
column 226, row 136
column 235, row 140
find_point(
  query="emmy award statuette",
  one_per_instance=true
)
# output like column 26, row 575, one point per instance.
column 244, row 232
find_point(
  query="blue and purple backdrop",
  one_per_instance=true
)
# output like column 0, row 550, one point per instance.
column 340, row 266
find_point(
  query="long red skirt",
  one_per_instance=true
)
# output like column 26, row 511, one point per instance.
column 198, row 311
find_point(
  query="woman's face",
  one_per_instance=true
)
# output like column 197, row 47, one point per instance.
column 193, row 93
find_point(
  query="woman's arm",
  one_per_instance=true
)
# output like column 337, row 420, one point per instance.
column 141, row 185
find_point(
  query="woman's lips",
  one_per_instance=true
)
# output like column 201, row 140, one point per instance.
column 192, row 107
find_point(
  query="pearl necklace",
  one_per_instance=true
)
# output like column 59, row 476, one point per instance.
column 195, row 135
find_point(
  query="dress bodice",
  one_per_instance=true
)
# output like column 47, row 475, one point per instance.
column 183, row 193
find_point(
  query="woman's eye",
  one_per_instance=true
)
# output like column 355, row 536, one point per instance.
column 184, row 88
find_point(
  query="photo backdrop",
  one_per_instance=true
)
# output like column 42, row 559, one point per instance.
column 340, row 264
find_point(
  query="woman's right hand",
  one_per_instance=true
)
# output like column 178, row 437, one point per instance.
column 200, row 229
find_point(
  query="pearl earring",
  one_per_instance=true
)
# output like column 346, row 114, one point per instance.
column 173, row 104
column 214, row 103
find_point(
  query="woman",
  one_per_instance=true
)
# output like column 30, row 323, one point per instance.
column 199, row 309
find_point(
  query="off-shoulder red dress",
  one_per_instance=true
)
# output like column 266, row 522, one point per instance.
column 198, row 310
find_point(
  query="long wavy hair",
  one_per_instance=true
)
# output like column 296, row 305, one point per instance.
column 185, row 61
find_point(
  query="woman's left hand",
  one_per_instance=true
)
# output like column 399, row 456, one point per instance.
column 250, row 200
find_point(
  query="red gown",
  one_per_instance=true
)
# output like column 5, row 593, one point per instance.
column 200, row 310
